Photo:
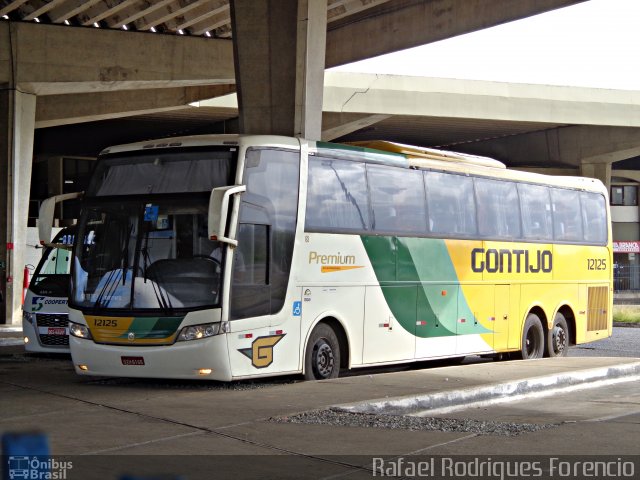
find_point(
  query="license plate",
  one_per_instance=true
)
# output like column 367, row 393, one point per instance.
column 132, row 360
column 56, row 331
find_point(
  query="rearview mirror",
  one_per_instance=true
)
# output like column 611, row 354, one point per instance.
column 218, row 211
column 45, row 217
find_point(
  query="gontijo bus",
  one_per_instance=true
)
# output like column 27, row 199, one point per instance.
column 230, row 257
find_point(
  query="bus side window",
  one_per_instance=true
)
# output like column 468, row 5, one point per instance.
column 451, row 202
column 498, row 210
column 397, row 199
column 251, row 258
column 337, row 196
column 567, row 218
column 594, row 217
column 535, row 205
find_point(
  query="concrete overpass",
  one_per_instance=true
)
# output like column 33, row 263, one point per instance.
column 273, row 52
column 579, row 131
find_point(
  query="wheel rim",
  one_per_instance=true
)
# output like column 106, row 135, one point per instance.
column 559, row 340
column 532, row 343
column 323, row 359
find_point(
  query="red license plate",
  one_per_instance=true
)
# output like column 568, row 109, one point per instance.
column 56, row 331
column 132, row 360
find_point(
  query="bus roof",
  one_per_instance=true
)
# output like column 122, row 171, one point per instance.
column 412, row 152
column 377, row 151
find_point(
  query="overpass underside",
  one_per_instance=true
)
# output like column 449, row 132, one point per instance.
column 273, row 53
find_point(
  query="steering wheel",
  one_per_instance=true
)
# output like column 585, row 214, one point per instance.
column 215, row 261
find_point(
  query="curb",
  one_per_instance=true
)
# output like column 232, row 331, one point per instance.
column 455, row 399
column 626, row 325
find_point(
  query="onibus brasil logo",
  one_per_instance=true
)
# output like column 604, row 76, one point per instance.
column 37, row 468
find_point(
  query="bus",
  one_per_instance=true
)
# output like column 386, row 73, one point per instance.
column 45, row 317
column 230, row 257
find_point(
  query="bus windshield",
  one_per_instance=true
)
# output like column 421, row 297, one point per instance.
column 145, row 228
column 51, row 277
column 142, row 255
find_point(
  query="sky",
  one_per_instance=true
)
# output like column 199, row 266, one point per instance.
column 593, row 44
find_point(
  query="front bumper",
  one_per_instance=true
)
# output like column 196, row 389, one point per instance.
column 182, row 360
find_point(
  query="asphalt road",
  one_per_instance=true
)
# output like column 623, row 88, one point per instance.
column 625, row 342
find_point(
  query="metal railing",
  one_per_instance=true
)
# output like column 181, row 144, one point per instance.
column 626, row 278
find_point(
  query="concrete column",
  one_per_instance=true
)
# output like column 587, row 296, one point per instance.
column 601, row 171
column 17, row 123
column 279, row 50
column 310, row 58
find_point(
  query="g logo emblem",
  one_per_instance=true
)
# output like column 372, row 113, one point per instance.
column 261, row 351
column 131, row 336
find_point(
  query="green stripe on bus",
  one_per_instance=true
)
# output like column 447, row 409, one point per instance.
column 418, row 279
column 153, row 327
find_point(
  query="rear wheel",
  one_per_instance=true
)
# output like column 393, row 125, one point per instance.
column 558, row 337
column 532, row 338
column 322, row 355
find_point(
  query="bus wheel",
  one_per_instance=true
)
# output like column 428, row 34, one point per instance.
column 322, row 356
column 532, row 338
column 558, row 337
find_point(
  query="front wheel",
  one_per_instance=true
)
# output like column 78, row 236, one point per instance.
column 532, row 338
column 322, row 355
column 558, row 337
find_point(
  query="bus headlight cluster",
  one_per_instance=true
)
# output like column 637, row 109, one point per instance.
column 79, row 331
column 196, row 332
column 29, row 317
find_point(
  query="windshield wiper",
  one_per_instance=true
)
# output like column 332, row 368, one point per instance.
column 125, row 254
column 109, row 288
column 161, row 297
column 111, row 281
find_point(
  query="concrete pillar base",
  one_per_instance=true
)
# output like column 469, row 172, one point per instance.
column 17, row 123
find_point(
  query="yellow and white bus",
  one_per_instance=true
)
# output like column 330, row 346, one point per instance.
column 230, row 257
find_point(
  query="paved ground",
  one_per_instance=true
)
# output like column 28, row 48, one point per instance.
column 107, row 427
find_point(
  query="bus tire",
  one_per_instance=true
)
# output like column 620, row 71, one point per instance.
column 558, row 337
column 322, row 355
column 533, row 340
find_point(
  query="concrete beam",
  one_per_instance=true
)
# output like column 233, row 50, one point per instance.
column 56, row 110
column 440, row 97
column 403, row 24
column 52, row 59
column 337, row 125
column 570, row 146
column 627, row 174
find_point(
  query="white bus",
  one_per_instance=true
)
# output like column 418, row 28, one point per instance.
column 232, row 257
column 45, row 317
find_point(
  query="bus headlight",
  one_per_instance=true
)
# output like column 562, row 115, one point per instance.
column 29, row 317
column 196, row 332
column 79, row 331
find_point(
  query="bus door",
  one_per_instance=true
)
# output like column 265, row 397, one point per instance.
column 265, row 331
